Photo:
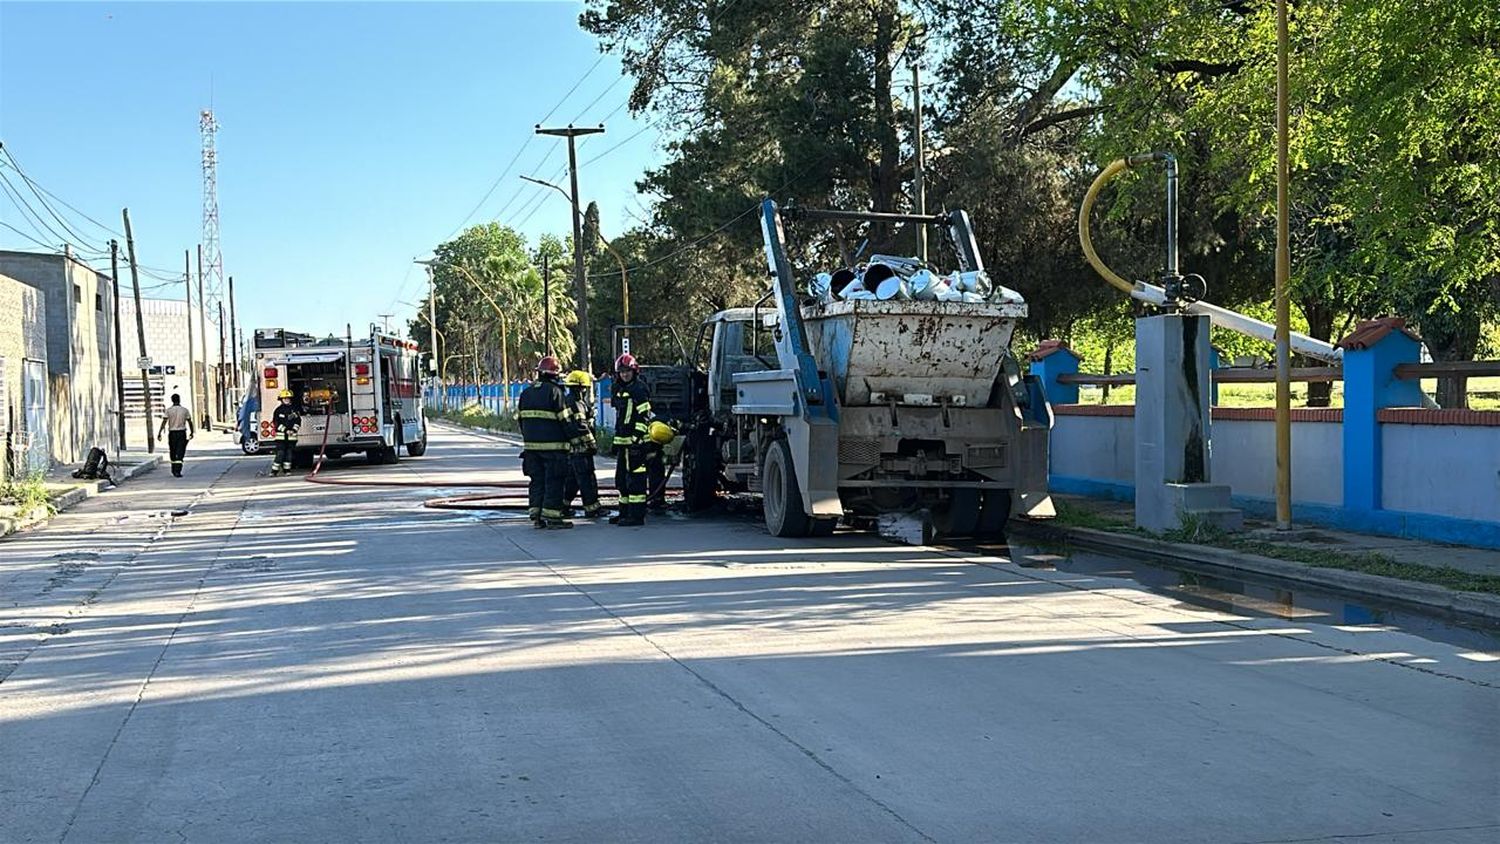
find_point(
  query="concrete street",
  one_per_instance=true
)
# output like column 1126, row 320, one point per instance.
column 297, row 662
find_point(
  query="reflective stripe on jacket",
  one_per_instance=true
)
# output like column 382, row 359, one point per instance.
column 633, row 414
column 548, row 422
column 285, row 422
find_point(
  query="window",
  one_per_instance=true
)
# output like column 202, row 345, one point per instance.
column 77, row 295
column 99, row 302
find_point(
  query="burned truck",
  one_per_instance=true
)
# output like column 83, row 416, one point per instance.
column 896, row 393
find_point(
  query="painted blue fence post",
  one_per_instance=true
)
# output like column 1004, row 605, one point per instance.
column 1214, row 363
column 1371, row 355
column 1051, row 359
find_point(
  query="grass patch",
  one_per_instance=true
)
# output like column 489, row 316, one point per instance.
column 1073, row 514
column 477, row 417
column 27, row 494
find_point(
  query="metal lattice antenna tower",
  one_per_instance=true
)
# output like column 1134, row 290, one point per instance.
column 213, row 261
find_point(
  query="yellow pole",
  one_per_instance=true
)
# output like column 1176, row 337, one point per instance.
column 624, row 282
column 1283, row 271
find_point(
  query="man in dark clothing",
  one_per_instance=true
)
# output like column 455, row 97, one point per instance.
column 632, row 404
column 178, row 424
column 285, row 423
column 581, row 477
column 551, row 430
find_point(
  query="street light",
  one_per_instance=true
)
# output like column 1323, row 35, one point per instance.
column 504, row 325
column 624, row 280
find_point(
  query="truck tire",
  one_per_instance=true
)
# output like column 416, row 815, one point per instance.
column 823, row 527
column 700, row 472
column 994, row 514
column 781, row 498
column 961, row 516
column 418, row 448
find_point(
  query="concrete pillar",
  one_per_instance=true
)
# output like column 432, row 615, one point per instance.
column 1051, row 359
column 1371, row 355
column 1172, row 426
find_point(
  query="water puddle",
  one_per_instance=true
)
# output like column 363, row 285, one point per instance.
column 1259, row 598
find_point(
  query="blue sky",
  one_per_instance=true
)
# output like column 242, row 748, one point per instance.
column 354, row 136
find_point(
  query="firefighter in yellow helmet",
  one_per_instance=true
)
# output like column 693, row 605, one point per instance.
column 285, row 423
column 581, row 473
column 551, row 431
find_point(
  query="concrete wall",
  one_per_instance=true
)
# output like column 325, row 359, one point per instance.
column 80, row 349
column 1449, row 470
column 23, row 336
column 1102, row 448
column 1245, row 458
column 165, row 321
column 1096, row 447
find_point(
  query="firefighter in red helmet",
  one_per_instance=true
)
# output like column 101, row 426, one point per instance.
column 551, row 430
column 632, row 404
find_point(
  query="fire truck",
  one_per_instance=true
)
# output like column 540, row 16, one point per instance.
column 354, row 395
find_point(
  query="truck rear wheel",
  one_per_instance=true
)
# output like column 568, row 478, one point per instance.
column 961, row 515
column 418, row 448
column 781, row 498
column 994, row 514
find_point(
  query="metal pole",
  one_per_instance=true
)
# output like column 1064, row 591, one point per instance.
column 234, row 346
column 1283, row 271
column 220, row 380
column 140, row 328
column 547, row 306
column 187, row 292
column 919, row 187
column 114, row 273
column 203, row 333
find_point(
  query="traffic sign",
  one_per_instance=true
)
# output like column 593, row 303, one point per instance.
column 143, row 362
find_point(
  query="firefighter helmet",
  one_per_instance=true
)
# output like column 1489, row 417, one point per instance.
column 548, row 365
column 579, row 378
column 284, row 394
column 662, row 433
column 627, row 363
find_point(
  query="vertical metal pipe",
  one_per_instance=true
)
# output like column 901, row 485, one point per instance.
column 1283, row 272
column 919, row 186
column 1172, row 266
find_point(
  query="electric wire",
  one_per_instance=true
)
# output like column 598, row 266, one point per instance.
column 39, row 197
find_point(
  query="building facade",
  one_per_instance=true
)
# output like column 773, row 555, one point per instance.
column 23, row 379
column 166, row 327
column 82, row 406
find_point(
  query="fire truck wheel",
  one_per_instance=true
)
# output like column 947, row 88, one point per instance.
column 960, row 516
column 418, row 448
column 994, row 514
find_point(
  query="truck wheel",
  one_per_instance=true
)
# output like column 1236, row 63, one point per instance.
column 823, row 527
column 700, row 472
column 418, row 448
column 781, row 499
column 994, row 514
column 250, row 445
column 303, row 459
column 960, row 517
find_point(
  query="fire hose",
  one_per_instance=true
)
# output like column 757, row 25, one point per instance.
column 516, row 500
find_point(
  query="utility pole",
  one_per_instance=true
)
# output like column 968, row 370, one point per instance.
column 114, row 273
column 203, row 332
column 187, row 293
column 140, row 328
column 919, row 187
column 1283, row 272
column 234, row 344
column 220, row 379
column 580, row 285
column 547, row 307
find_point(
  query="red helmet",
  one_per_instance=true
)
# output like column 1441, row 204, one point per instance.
column 549, row 365
column 627, row 362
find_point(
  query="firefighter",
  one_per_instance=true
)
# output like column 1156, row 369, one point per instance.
column 632, row 404
column 284, row 425
column 178, row 424
column 551, row 431
column 581, row 477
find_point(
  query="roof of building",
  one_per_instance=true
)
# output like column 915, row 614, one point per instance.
column 1372, row 331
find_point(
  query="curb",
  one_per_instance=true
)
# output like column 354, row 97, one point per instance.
column 475, row 429
column 80, row 492
column 1390, row 591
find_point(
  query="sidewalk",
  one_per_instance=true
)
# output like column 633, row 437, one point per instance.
column 64, row 490
column 1420, row 575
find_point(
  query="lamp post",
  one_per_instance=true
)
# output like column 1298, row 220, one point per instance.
column 504, row 325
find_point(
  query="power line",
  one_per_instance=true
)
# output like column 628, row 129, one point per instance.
column 29, row 214
column 25, row 235
column 39, row 197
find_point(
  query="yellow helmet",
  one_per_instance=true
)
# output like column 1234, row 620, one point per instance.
column 284, row 394
column 579, row 378
column 662, row 433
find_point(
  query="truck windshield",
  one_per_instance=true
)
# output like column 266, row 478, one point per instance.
column 319, row 388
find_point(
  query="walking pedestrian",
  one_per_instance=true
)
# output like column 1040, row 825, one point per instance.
column 178, row 424
column 632, row 404
column 285, row 423
column 581, row 477
column 550, row 431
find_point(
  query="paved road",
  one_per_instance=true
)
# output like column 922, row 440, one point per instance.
column 289, row 661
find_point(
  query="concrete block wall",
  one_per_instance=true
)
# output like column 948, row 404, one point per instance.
column 23, row 336
column 1452, row 470
column 165, row 321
